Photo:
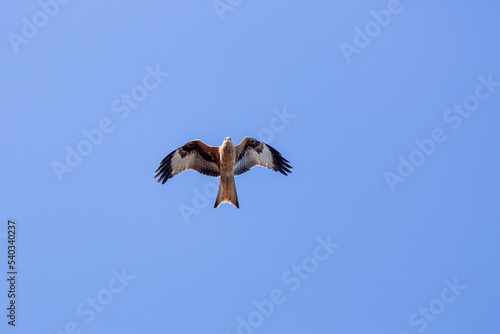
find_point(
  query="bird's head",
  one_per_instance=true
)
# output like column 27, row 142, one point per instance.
column 227, row 142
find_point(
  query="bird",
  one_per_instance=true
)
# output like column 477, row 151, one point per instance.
column 225, row 161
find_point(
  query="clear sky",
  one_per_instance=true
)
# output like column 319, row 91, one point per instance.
column 388, row 111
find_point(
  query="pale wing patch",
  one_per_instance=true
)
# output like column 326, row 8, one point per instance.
column 268, row 157
column 187, row 157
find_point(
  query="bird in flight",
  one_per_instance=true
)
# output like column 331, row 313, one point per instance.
column 225, row 161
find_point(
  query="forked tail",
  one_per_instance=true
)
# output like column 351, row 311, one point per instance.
column 227, row 192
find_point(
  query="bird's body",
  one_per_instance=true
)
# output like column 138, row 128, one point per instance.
column 227, row 186
column 226, row 162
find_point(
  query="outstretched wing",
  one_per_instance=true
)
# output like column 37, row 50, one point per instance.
column 195, row 155
column 251, row 152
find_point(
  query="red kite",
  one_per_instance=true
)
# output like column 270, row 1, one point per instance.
column 225, row 161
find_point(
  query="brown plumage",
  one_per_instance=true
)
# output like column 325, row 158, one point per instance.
column 226, row 162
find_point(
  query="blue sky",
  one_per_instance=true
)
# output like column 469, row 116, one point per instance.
column 388, row 111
